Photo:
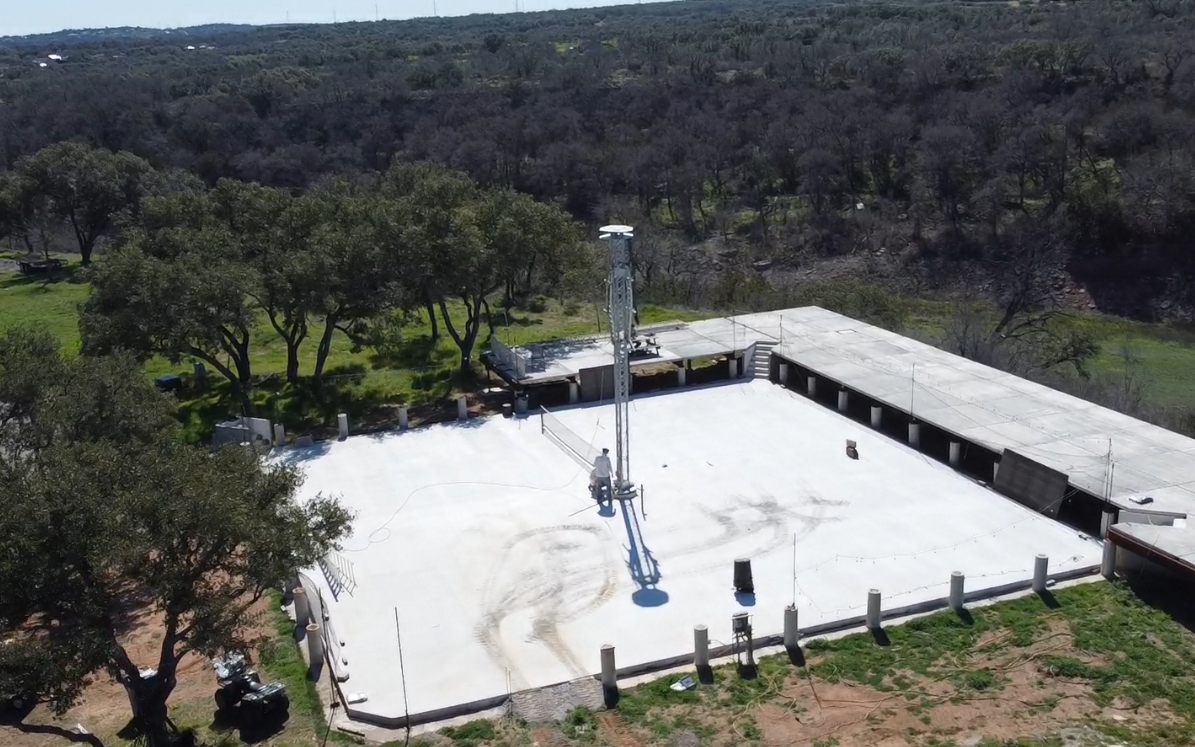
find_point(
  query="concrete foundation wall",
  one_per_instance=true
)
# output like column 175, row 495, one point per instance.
column 596, row 383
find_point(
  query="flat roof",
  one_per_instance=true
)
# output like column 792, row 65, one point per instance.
column 998, row 410
column 678, row 341
column 506, row 576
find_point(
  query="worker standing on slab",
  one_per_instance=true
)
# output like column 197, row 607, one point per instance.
column 600, row 477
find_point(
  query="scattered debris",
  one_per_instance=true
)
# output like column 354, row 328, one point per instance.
column 684, row 683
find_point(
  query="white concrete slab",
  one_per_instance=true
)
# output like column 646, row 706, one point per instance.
column 505, row 575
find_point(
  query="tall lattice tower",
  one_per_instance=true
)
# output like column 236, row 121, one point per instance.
column 622, row 333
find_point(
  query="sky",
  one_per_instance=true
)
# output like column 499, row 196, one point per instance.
column 21, row 17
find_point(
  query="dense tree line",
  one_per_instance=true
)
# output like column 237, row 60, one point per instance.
column 765, row 123
column 192, row 272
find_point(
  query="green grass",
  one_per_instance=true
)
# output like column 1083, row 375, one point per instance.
column 50, row 306
column 1143, row 656
column 413, row 371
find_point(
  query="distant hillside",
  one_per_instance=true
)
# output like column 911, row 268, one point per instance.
column 119, row 34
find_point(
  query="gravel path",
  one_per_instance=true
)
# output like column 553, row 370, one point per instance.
column 554, row 703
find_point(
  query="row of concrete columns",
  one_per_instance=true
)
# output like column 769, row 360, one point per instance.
column 314, row 632
column 342, row 420
column 877, row 415
column 874, row 617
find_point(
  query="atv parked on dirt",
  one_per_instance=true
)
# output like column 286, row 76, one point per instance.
column 241, row 688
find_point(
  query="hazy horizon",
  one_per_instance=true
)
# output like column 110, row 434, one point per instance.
column 89, row 14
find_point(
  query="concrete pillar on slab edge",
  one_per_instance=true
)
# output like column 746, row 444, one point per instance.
column 873, row 609
column 791, row 633
column 957, row 581
column 1108, row 563
column 1106, row 522
column 462, row 408
column 734, row 368
column 342, row 422
column 915, row 435
column 811, row 386
column 701, row 646
column 995, row 470
column 279, row 435
column 877, row 415
column 302, row 607
column 609, row 677
column 843, row 399
column 574, row 393
column 680, row 375
column 782, row 373
column 403, row 422
column 521, row 404
column 315, row 646
column 1041, row 572
column 956, row 452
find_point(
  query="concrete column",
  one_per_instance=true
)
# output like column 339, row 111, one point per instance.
column 521, row 404
column 1041, row 569
column 1106, row 522
column 811, row 386
column 342, row 422
column 609, row 678
column 956, row 452
column 315, row 646
column 462, row 408
column 574, row 392
column 790, row 626
column 877, row 416
column 843, row 399
column 701, row 646
column 403, row 422
column 1108, row 564
column 681, row 371
column 995, row 470
column 956, row 590
column 873, row 609
column 279, row 435
column 734, row 368
column 915, row 435
column 782, row 373
column 302, row 608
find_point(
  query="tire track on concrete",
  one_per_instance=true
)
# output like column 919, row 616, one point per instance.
column 550, row 572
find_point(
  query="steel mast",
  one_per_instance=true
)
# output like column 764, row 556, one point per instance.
column 622, row 332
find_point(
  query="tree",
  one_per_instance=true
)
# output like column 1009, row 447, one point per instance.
column 25, row 213
column 195, row 303
column 111, row 517
column 274, row 231
column 354, row 279
column 86, row 187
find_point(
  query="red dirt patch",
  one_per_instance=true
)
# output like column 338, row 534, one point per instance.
column 104, row 707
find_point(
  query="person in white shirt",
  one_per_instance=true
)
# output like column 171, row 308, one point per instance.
column 602, row 474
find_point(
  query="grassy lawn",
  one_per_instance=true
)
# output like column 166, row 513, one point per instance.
column 412, row 370
column 1093, row 665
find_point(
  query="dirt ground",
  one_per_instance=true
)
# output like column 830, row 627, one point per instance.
column 104, row 708
column 1023, row 702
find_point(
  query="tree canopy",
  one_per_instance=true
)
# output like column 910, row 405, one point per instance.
column 106, row 516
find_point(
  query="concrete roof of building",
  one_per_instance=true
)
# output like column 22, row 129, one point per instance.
column 678, row 341
column 978, row 403
column 507, row 575
column 998, row 410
